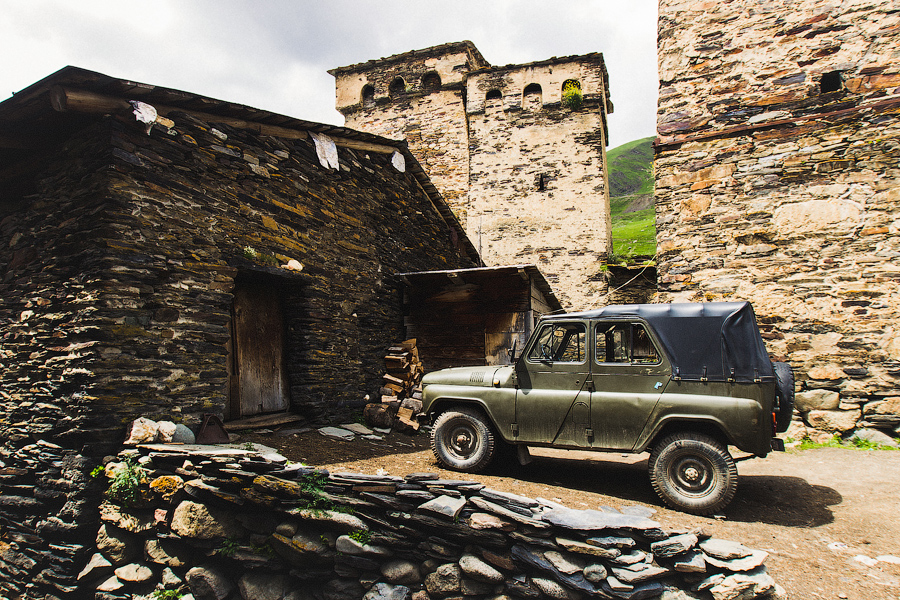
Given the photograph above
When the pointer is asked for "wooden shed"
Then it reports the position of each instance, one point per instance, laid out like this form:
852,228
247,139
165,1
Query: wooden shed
470,317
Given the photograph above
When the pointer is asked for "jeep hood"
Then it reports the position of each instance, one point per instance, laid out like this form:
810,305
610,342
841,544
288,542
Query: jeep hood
462,376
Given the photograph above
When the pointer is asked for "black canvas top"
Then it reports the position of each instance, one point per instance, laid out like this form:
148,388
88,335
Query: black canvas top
717,341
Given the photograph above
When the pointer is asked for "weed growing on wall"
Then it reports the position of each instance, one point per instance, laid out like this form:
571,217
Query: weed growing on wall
571,95
360,536
125,486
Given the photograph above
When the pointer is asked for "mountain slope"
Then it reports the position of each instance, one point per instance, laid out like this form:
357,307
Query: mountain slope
632,209
631,168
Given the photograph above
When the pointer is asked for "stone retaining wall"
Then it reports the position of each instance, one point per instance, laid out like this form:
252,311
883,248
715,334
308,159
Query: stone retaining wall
221,523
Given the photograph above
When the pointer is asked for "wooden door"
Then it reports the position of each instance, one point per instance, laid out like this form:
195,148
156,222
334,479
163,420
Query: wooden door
258,350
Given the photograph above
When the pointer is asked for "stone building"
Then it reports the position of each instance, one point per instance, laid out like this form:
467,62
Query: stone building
777,167
144,273
524,170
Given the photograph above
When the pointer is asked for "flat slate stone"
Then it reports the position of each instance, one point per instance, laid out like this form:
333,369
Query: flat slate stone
496,495
589,549
690,562
357,428
509,514
746,563
632,577
724,549
678,544
576,581
612,542
338,433
358,477
565,564
422,477
445,506
592,520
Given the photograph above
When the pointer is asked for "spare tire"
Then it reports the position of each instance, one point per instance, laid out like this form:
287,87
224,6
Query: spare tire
784,396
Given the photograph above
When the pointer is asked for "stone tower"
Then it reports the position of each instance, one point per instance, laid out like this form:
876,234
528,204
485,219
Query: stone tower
778,182
523,169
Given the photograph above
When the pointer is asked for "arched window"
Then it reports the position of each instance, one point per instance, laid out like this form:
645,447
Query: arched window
431,82
368,95
532,97
398,87
493,101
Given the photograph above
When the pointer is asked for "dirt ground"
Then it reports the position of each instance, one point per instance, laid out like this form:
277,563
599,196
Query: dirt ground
820,514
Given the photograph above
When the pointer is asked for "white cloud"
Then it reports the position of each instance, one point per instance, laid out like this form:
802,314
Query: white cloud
274,54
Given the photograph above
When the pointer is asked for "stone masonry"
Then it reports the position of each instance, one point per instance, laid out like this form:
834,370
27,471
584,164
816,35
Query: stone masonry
226,523
525,173
777,170
123,248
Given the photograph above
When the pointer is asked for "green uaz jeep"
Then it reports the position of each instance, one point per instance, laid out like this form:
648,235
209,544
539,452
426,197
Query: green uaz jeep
682,381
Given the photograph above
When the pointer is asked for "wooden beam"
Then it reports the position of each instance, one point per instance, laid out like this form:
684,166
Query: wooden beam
81,101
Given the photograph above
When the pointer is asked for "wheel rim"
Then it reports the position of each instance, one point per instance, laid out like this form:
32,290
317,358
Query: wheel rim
461,440
693,476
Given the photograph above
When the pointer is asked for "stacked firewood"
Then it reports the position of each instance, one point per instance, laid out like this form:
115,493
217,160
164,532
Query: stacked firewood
401,391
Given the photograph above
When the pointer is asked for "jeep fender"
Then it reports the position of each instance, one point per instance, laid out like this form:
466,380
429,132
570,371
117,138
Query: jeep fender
445,403
711,426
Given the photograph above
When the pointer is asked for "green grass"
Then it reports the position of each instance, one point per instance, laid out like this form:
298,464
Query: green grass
837,442
631,204
631,168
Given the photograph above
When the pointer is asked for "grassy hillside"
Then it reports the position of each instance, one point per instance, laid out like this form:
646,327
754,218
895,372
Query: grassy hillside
631,201
631,168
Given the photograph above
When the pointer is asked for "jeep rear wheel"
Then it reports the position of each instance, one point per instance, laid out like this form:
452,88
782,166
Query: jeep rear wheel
693,472
461,439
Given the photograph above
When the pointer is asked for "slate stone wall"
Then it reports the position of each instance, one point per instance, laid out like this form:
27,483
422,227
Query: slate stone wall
777,182
225,523
116,284
537,181
428,111
118,290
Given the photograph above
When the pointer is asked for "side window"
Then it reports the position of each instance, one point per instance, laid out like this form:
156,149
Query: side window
564,342
619,342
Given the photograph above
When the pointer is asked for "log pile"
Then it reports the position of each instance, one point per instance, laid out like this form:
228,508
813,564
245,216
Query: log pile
401,390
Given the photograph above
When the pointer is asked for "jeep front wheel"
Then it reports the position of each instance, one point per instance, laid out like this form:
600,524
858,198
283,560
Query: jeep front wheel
693,472
462,440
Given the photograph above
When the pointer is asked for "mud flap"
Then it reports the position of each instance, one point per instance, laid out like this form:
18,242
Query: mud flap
524,455
778,444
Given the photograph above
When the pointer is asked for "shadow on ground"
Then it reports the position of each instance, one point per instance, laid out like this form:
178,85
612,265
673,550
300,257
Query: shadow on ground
775,499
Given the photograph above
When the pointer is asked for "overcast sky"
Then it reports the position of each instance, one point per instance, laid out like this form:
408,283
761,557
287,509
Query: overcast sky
274,54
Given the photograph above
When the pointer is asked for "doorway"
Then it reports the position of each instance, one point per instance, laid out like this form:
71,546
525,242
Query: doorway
257,382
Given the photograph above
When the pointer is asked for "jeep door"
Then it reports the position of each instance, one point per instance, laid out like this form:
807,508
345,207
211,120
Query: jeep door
629,374
552,402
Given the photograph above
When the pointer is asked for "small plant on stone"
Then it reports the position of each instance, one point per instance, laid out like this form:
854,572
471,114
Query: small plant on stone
263,549
250,252
125,486
167,594
360,536
312,487
228,548
98,471
249,447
